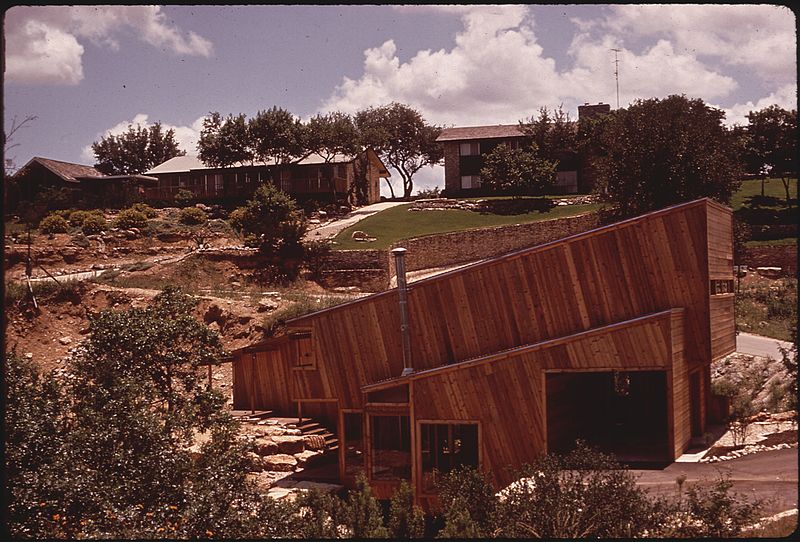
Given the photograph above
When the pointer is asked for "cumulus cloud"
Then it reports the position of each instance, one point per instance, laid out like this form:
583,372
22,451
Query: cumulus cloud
785,97
761,37
43,43
497,72
186,136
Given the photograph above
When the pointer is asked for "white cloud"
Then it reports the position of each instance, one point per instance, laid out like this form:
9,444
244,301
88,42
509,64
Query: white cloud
186,136
42,43
785,97
496,72
761,37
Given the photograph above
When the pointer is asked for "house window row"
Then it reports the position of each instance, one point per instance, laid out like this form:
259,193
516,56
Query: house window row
470,181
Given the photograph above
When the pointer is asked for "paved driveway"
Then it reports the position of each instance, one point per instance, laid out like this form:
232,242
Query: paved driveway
767,475
332,229
756,345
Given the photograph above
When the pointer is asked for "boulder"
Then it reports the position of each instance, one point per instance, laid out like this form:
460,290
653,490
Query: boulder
215,313
256,462
267,305
278,462
290,444
65,340
303,457
358,234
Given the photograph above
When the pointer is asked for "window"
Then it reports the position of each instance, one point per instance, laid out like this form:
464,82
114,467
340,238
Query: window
470,181
303,350
391,447
353,443
470,149
717,287
445,447
218,184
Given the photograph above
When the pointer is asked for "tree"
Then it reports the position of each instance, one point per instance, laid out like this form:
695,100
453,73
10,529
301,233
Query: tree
472,508
277,135
518,171
108,450
661,152
8,137
406,520
224,143
772,144
136,150
331,135
402,138
555,136
362,513
272,222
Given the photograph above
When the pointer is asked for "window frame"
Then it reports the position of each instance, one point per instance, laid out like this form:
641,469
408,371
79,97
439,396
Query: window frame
420,471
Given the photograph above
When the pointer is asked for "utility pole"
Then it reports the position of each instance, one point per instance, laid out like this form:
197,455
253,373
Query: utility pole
616,71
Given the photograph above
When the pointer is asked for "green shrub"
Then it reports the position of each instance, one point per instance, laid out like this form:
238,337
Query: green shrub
130,218
236,219
53,223
145,209
192,215
184,198
94,223
77,218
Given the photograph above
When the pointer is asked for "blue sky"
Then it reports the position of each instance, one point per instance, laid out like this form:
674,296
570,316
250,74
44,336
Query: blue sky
86,71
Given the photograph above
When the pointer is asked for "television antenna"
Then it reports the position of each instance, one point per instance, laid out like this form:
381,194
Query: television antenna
616,71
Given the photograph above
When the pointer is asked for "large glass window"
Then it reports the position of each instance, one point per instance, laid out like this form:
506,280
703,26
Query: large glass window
353,443
391,447
444,447
470,181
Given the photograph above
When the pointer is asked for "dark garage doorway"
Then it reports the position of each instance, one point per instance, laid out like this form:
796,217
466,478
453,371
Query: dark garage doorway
623,413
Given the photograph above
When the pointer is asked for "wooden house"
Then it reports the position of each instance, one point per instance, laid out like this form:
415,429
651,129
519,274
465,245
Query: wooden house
81,183
322,178
606,335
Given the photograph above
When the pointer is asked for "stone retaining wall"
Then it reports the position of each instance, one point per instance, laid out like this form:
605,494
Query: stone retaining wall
441,250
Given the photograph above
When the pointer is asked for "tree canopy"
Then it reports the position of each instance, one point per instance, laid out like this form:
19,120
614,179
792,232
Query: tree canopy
517,171
402,138
136,150
771,144
660,152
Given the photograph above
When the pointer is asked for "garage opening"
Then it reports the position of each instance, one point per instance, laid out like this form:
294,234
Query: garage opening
623,413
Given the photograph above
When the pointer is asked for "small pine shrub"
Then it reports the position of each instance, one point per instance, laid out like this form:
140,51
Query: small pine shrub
192,215
94,223
145,209
184,198
130,218
53,223
236,219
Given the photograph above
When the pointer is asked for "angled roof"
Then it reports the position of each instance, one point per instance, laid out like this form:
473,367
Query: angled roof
510,352
184,164
480,132
68,171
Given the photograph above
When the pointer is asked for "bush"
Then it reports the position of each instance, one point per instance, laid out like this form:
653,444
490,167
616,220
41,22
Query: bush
314,256
192,215
130,218
145,209
236,219
184,198
429,193
94,223
53,223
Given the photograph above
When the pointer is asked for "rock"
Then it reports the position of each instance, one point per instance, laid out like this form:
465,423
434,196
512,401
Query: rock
215,313
315,442
266,305
358,234
314,221
278,462
290,444
256,462
65,340
303,457
203,207
266,447
769,272
28,355
322,214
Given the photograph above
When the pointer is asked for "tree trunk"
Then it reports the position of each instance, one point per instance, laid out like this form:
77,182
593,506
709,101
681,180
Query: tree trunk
762,187
786,182
391,188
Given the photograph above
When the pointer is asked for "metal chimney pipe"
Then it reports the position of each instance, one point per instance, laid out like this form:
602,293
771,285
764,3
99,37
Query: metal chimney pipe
402,290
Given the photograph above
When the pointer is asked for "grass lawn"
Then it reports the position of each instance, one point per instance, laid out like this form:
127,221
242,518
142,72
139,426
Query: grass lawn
749,194
399,223
752,208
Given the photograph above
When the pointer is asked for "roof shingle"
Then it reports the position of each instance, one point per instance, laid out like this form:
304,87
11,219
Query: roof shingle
480,132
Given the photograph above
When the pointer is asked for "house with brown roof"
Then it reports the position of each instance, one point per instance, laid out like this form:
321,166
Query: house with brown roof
606,336
332,179
82,183
465,148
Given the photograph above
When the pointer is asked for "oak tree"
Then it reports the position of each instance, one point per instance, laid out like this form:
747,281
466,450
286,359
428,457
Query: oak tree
136,150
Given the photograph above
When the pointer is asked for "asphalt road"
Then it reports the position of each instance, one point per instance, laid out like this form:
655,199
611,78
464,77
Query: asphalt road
766,475
756,345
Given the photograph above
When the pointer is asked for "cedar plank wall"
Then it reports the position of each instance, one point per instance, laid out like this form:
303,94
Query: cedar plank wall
589,280
506,395
720,266
273,384
678,382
